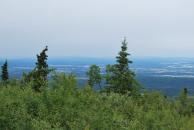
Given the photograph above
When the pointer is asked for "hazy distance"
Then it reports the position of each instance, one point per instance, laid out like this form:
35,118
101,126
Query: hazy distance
95,28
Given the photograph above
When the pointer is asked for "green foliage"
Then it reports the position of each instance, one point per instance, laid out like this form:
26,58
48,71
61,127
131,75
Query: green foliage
27,77
94,75
41,71
184,103
5,73
64,106
120,78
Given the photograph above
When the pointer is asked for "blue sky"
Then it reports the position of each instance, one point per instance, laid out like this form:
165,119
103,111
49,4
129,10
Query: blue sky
95,28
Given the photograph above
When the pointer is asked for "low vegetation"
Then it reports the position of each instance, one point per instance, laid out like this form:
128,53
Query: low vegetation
65,106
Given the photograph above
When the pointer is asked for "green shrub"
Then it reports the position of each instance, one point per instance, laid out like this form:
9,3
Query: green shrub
65,106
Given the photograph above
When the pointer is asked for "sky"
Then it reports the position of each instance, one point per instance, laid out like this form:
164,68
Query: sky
95,28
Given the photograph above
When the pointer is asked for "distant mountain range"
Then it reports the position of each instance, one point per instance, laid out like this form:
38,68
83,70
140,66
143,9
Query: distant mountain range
169,75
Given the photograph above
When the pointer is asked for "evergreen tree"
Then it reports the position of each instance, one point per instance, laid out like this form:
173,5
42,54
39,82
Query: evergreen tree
41,71
120,78
183,95
185,103
94,75
5,74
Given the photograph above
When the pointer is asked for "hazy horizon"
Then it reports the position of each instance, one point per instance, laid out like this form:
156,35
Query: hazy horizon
96,28
97,58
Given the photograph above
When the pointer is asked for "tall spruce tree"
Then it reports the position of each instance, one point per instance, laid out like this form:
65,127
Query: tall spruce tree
5,73
41,71
120,78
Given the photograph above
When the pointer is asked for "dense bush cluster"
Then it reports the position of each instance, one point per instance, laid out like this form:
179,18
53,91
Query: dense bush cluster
65,106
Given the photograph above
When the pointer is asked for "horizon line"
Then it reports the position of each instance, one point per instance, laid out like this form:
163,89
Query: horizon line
94,57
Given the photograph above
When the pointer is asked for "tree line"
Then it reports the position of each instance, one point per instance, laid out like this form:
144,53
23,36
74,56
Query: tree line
119,77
